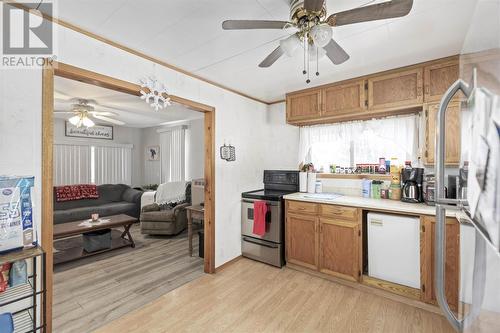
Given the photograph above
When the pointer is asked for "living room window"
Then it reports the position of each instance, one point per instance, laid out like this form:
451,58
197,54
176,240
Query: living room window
349,143
173,154
83,163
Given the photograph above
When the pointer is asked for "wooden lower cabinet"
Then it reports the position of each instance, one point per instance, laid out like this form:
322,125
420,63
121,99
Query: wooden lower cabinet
328,238
452,261
340,248
302,240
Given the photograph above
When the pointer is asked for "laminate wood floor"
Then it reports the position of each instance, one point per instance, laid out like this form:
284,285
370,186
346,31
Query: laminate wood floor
91,292
248,296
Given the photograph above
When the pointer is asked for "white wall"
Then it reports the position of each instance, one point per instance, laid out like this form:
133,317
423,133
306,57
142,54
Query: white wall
195,152
260,135
122,135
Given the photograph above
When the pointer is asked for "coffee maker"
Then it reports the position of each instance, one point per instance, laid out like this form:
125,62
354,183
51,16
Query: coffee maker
412,190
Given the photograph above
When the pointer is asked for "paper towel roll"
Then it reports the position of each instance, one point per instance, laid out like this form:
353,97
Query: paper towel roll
303,181
311,182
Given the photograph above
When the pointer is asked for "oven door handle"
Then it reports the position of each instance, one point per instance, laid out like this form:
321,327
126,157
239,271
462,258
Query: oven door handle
246,239
269,203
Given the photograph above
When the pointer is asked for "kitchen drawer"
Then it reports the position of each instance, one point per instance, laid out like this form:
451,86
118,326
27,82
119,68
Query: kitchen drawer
301,207
339,212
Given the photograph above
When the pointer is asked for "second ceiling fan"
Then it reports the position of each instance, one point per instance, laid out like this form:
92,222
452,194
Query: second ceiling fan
314,27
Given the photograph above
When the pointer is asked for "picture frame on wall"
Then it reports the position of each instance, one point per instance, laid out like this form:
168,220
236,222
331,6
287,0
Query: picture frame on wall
102,132
153,153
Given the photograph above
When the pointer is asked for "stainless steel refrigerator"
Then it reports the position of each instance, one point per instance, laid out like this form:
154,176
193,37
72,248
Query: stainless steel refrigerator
479,202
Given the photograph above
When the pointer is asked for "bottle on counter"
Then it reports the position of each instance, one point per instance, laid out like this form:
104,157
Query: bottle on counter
395,192
366,190
395,172
319,187
376,186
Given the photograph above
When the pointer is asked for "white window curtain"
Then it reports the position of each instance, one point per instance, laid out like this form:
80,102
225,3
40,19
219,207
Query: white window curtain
71,164
84,163
346,144
173,152
111,165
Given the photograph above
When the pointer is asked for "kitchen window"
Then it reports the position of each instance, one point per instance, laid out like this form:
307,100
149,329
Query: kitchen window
350,143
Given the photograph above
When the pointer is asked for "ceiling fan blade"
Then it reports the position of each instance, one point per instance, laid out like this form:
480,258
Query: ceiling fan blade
314,5
63,111
386,10
61,96
336,53
272,57
109,120
253,24
104,113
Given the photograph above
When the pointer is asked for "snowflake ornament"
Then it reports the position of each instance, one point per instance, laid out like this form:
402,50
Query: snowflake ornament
155,93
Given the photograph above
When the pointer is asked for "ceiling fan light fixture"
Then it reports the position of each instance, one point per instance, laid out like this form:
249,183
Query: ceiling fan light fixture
321,34
87,122
290,45
74,120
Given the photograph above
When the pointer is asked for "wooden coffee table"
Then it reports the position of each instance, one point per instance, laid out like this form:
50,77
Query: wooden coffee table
119,239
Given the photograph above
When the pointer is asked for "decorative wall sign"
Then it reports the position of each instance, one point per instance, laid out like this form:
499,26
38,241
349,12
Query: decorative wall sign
153,153
154,93
96,132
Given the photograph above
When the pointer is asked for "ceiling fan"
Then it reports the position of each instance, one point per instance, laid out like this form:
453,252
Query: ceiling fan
314,27
83,110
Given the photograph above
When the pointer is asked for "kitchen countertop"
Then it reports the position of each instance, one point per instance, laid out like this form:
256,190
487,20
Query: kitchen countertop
369,203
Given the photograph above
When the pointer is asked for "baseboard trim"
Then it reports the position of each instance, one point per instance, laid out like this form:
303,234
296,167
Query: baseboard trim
370,289
228,263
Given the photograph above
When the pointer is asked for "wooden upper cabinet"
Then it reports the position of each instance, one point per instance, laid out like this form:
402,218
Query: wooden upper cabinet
453,135
303,106
452,261
438,78
302,240
397,90
340,248
343,99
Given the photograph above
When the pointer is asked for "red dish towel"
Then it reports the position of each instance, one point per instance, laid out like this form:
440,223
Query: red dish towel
259,217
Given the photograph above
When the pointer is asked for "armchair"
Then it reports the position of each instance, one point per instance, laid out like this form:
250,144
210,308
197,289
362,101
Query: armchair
155,221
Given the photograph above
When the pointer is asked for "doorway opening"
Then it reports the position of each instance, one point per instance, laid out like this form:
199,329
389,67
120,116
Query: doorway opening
168,153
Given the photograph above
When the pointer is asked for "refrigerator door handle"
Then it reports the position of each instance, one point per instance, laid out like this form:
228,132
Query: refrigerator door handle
441,201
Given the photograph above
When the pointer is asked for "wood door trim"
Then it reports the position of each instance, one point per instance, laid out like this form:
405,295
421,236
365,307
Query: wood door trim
86,76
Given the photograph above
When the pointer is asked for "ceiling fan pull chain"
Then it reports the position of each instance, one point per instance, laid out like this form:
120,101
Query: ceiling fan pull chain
308,64
317,61
305,51
307,56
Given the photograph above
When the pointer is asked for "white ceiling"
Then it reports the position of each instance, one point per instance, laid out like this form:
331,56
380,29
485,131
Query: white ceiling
130,109
188,34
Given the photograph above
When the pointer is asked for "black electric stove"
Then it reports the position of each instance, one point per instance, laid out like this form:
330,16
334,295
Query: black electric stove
270,247
265,194
277,183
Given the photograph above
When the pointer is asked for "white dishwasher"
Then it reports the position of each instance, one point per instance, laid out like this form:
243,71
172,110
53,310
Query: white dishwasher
394,249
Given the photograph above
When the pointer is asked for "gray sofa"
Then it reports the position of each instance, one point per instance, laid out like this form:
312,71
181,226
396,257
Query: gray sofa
113,199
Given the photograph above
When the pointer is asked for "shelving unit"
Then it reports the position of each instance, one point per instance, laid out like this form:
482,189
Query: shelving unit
23,300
